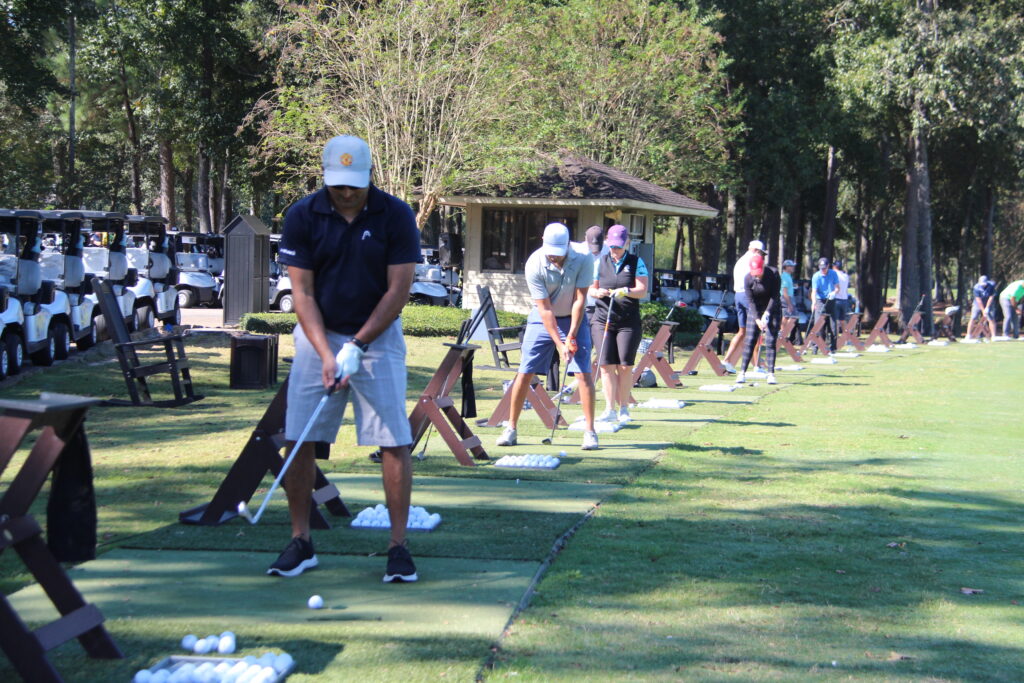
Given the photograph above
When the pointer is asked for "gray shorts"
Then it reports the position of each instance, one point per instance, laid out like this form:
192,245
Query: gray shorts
377,392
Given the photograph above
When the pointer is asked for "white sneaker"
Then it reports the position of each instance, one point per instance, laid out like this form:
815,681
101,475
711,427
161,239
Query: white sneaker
589,441
741,377
624,415
771,379
729,367
509,437
607,416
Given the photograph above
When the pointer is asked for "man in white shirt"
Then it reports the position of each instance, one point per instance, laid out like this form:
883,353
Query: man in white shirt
739,272
843,295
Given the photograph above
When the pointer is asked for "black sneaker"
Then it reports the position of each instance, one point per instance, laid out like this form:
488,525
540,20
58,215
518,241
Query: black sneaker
296,558
400,566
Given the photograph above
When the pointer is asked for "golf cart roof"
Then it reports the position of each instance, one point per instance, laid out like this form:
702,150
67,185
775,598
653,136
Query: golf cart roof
104,221
132,218
28,213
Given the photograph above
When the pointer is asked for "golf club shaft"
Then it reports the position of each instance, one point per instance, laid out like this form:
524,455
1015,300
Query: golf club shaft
295,449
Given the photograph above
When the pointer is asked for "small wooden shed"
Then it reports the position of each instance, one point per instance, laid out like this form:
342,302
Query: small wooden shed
504,228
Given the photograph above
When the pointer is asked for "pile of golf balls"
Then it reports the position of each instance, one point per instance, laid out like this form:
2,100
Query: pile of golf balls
537,462
264,669
224,643
377,518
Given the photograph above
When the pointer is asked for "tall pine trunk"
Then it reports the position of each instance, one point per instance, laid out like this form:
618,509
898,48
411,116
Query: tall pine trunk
925,261
986,248
167,177
730,230
203,191
828,223
909,275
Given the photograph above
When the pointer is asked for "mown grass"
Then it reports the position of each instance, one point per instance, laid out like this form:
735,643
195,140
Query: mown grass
833,520
835,547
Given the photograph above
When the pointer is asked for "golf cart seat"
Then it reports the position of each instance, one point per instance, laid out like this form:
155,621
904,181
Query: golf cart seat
159,266
117,268
139,260
8,268
51,265
30,278
74,271
689,296
95,259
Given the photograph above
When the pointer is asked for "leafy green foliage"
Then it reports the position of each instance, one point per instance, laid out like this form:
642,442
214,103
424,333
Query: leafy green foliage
417,321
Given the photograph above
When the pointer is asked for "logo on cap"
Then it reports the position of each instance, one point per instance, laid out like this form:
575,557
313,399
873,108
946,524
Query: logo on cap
346,159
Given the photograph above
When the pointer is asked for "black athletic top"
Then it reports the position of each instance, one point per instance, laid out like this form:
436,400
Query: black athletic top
764,293
626,312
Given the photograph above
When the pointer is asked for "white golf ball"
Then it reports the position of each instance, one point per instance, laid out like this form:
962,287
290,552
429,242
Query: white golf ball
160,676
266,659
143,676
189,641
561,454
226,645
315,602
201,647
282,662
227,634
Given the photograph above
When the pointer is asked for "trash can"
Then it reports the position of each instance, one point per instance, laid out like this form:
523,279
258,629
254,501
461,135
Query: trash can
253,361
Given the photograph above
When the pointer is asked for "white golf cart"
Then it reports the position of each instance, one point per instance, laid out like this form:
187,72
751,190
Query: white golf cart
39,326
62,261
156,297
196,283
106,256
280,283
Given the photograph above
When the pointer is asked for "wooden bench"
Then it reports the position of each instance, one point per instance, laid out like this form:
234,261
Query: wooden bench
136,373
60,447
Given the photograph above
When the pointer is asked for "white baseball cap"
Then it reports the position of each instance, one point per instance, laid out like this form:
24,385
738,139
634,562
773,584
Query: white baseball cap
756,244
347,161
556,240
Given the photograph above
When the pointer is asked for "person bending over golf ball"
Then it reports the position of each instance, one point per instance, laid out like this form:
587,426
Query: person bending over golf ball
558,278
764,313
824,289
351,251
620,281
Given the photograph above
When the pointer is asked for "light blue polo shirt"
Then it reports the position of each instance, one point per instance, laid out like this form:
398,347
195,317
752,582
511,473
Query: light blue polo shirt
824,284
547,281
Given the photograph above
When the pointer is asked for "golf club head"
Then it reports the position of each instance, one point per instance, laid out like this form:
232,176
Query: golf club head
243,510
546,441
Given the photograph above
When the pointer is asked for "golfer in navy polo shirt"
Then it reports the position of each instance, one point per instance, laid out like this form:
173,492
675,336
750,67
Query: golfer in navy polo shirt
351,251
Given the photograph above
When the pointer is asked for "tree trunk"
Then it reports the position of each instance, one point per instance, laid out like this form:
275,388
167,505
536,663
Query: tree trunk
189,184
772,228
72,197
711,233
167,177
133,139
809,257
730,230
909,275
691,234
225,193
925,261
828,222
986,244
749,215
203,191
677,246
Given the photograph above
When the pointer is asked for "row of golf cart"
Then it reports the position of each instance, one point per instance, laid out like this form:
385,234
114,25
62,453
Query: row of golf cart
48,260
713,296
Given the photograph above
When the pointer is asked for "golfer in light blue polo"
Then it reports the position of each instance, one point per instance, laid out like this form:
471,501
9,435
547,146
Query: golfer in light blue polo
558,278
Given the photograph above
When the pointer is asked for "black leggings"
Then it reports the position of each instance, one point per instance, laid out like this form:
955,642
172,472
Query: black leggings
771,336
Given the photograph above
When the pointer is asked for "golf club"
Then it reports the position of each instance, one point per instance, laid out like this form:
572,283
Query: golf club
243,509
558,407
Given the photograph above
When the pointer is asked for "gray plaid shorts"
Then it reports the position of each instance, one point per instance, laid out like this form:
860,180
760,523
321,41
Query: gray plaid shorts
377,392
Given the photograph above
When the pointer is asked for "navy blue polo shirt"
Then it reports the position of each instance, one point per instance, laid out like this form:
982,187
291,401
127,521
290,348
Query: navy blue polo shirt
349,260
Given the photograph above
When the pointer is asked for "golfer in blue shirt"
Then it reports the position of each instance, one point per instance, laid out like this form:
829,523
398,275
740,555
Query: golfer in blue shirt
824,288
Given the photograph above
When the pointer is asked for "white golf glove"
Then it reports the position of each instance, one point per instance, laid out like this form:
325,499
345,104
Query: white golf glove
620,292
349,360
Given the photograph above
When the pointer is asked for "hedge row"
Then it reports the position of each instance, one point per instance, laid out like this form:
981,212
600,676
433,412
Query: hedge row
417,321
444,321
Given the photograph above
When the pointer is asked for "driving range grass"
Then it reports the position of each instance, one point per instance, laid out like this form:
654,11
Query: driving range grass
833,548
756,548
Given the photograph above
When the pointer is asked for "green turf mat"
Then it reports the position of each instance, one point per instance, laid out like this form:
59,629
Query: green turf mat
468,595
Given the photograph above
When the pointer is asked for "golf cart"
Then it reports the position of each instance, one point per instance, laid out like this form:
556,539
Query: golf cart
106,256
280,283
62,262
35,313
155,295
196,283
433,284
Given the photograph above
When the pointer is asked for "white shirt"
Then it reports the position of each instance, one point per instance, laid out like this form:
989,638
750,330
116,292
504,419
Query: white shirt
844,285
740,270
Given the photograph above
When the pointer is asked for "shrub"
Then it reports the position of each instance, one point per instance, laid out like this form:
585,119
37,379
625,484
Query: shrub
417,321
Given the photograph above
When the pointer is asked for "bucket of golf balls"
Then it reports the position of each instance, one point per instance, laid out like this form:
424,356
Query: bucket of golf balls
529,461
268,668
377,518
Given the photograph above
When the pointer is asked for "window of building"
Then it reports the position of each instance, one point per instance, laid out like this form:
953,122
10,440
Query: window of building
509,236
